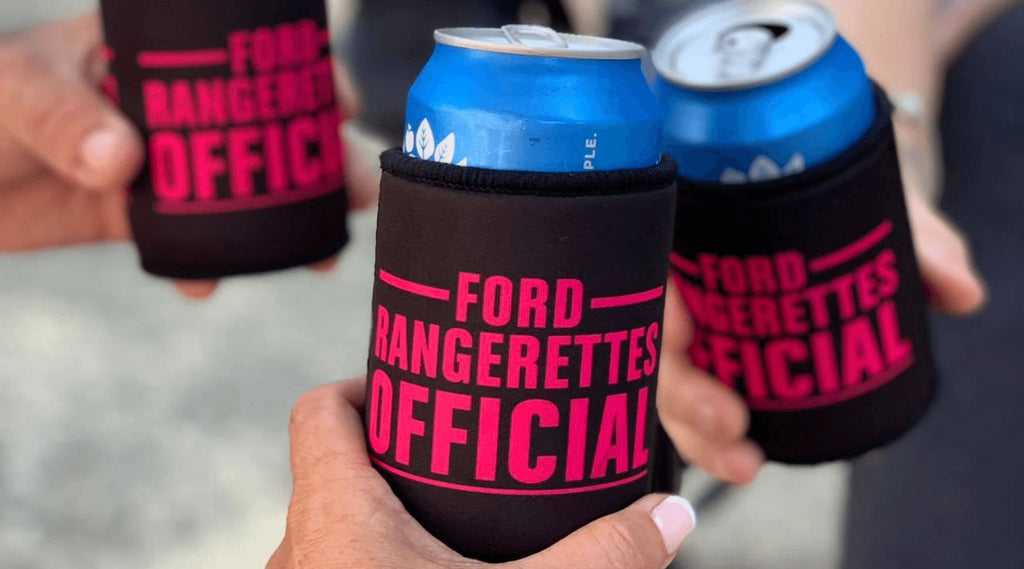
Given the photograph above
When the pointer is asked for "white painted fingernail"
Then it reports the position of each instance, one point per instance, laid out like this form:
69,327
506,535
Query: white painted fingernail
99,148
676,519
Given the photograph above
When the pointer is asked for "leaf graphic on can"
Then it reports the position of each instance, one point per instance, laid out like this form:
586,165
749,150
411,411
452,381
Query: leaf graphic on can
796,165
763,169
445,152
425,141
733,176
410,140
464,162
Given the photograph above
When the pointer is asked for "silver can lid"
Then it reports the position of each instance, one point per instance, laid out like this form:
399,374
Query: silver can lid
538,41
736,44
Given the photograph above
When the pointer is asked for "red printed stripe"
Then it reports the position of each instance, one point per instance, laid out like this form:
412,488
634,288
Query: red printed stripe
248,204
627,299
853,250
685,265
507,491
414,288
178,59
868,386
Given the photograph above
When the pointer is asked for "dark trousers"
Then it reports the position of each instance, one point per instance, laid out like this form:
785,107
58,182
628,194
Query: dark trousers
950,494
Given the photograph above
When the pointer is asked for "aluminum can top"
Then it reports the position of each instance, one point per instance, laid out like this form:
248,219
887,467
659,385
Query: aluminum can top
740,44
539,41
756,90
528,98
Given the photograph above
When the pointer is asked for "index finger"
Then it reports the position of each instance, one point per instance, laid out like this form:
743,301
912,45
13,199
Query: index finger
326,432
689,394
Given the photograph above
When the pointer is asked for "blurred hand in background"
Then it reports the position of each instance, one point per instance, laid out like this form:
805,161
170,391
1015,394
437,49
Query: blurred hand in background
344,515
67,155
906,47
708,421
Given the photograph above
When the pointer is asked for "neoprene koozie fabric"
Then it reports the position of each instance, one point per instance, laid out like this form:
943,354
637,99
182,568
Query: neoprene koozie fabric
806,298
667,466
236,101
516,332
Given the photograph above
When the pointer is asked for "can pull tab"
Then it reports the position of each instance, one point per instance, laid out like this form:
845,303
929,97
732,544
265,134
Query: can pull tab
533,36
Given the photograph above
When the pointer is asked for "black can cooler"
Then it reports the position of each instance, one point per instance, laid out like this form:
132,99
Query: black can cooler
236,102
806,298
668,467
514,354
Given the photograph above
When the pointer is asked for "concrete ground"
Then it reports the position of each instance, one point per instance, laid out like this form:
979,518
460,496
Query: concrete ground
138,429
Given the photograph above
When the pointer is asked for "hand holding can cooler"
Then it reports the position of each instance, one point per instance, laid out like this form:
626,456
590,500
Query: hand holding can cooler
522,253
793,251
236,99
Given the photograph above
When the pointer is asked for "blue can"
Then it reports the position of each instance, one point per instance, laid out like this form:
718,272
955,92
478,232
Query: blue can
755,90
528,98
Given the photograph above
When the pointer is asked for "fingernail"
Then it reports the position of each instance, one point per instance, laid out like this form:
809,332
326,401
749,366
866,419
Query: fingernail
196,290
675,519
99,148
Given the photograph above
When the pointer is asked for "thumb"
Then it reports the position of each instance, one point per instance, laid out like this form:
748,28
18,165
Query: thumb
646,535
66,123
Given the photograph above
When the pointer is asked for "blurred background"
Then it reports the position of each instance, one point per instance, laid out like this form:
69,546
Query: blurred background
139,429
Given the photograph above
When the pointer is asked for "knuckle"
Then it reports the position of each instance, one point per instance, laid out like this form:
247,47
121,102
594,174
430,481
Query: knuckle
306,410
618,545
299,417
